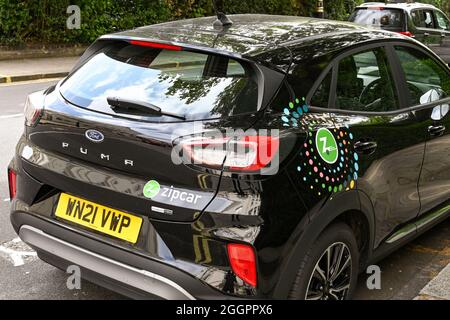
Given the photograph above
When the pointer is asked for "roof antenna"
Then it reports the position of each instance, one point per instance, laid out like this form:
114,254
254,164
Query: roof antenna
222,19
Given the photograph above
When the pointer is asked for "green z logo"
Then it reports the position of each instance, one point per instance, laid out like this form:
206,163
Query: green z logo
326,146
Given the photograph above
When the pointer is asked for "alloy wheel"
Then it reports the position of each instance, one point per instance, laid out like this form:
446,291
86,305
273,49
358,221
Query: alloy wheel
331,277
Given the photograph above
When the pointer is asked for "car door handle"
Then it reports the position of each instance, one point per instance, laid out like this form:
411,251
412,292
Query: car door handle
365,147
436,131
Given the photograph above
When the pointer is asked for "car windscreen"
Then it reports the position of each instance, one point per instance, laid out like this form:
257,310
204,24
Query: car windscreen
379,17
194,85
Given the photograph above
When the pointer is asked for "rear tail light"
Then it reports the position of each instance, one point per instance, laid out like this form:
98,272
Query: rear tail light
156,45
407,33
34,107
243,262
241,153
12,181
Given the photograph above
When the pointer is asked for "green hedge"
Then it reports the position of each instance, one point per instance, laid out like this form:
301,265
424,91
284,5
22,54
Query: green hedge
44,21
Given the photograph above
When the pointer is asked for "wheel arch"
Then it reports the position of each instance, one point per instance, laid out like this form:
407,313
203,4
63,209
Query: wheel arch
353,208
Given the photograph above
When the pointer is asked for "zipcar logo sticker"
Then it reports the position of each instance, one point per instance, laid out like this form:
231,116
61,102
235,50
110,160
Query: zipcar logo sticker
326,146
151,189
94,135
328,162
177,195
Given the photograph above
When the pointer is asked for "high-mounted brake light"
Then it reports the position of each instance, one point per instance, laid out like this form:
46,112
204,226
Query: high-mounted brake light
12,181
407,33
375,8
155,45
243,262
34,107
242,153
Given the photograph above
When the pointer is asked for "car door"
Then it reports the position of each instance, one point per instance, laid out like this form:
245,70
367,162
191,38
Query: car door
426,31
443,26
428,83
388,151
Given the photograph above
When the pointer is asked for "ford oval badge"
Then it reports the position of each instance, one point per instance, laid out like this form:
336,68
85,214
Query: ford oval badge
94,135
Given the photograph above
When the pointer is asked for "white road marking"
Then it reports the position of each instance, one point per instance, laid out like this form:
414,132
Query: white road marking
18,252
438,288
6,200
9,116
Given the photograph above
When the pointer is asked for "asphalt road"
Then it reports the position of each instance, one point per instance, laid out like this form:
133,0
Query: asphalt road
404,273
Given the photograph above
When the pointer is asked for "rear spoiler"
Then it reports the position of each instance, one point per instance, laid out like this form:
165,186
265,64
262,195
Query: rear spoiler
104,40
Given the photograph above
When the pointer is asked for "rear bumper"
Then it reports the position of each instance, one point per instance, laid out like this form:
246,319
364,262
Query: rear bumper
126,273
140,279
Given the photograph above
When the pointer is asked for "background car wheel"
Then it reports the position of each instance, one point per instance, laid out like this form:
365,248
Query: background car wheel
329,271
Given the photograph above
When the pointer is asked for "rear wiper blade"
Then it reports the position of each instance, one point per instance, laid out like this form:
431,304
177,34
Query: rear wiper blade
120,105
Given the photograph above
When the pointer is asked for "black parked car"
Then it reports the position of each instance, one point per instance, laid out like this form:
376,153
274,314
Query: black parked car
354,128
423,22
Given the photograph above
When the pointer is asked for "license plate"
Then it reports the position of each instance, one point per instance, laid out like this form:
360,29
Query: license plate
100,218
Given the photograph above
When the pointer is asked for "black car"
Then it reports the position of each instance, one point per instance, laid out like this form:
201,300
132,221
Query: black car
273,158
423,22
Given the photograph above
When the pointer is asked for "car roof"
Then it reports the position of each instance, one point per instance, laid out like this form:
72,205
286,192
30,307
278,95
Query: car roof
249,35
404,6
255,35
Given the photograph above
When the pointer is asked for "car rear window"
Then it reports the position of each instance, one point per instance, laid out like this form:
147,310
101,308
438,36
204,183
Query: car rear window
389,19
194,85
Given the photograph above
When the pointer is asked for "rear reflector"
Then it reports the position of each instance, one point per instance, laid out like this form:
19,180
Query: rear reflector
407,33
155,45
243,262
12,180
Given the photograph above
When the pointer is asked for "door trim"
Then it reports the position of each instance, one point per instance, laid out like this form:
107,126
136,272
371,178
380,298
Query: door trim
418,225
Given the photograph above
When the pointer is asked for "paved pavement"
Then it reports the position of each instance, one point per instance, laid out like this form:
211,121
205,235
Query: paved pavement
408,270
32,69
404,274
37,51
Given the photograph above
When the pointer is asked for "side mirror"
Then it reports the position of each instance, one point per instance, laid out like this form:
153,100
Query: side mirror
439,112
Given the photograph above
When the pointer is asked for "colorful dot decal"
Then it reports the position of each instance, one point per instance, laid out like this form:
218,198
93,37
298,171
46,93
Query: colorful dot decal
328,160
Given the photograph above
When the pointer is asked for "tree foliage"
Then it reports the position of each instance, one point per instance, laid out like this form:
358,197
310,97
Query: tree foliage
44,21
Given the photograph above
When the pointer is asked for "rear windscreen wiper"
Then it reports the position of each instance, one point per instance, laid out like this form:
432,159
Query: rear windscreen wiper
120,105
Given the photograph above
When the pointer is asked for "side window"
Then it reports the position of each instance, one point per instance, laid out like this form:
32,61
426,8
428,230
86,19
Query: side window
425,78
428,19
235,69
442,21
365,83
282,98
322,94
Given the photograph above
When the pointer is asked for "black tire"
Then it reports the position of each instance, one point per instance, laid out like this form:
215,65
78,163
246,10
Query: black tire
338,237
